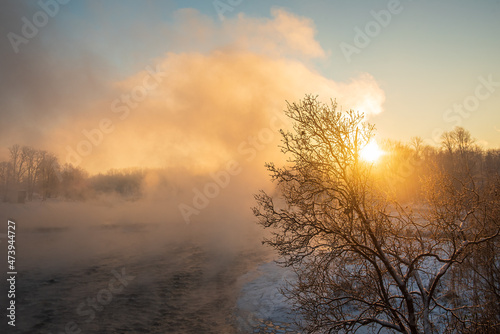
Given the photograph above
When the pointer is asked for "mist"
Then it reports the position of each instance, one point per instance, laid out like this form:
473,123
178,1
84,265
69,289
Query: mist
199,116
182,273
213,104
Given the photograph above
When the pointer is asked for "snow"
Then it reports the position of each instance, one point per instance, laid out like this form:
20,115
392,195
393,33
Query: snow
261,302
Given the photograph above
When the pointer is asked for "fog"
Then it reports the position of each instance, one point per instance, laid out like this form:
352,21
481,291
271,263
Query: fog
191,107
204,112
186,276
102,223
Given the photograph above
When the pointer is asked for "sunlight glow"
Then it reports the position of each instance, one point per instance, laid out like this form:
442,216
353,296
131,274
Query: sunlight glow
371,152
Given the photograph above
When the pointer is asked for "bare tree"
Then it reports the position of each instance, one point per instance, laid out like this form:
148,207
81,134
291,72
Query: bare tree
418,144
463,139
362,258
47,175
5,177
460,145
17,163
32,159
448,142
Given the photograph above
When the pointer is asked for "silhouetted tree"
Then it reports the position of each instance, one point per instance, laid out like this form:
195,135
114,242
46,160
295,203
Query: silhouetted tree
361,257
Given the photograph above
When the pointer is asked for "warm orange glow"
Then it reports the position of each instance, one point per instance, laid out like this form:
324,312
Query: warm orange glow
371,152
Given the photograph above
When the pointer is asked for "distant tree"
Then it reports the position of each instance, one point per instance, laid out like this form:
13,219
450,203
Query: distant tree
492,162
74,182
361,257
448,142
17,162
401,170
126,183
459,143
33,159
47,176
5,177
417,143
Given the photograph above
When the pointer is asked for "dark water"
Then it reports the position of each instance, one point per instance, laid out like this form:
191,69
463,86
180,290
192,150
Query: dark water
126,279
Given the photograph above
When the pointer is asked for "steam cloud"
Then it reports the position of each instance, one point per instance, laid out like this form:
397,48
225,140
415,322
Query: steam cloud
216,98
203,106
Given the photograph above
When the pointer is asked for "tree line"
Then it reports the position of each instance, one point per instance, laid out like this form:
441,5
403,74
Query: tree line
31,173
459,156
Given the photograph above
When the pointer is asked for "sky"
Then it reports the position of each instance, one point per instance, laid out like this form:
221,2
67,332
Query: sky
198,84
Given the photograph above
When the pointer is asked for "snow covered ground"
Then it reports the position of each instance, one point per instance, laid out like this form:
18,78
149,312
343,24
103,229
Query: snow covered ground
261,306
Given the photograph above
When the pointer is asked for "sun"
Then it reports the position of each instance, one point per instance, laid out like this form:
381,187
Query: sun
371,152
